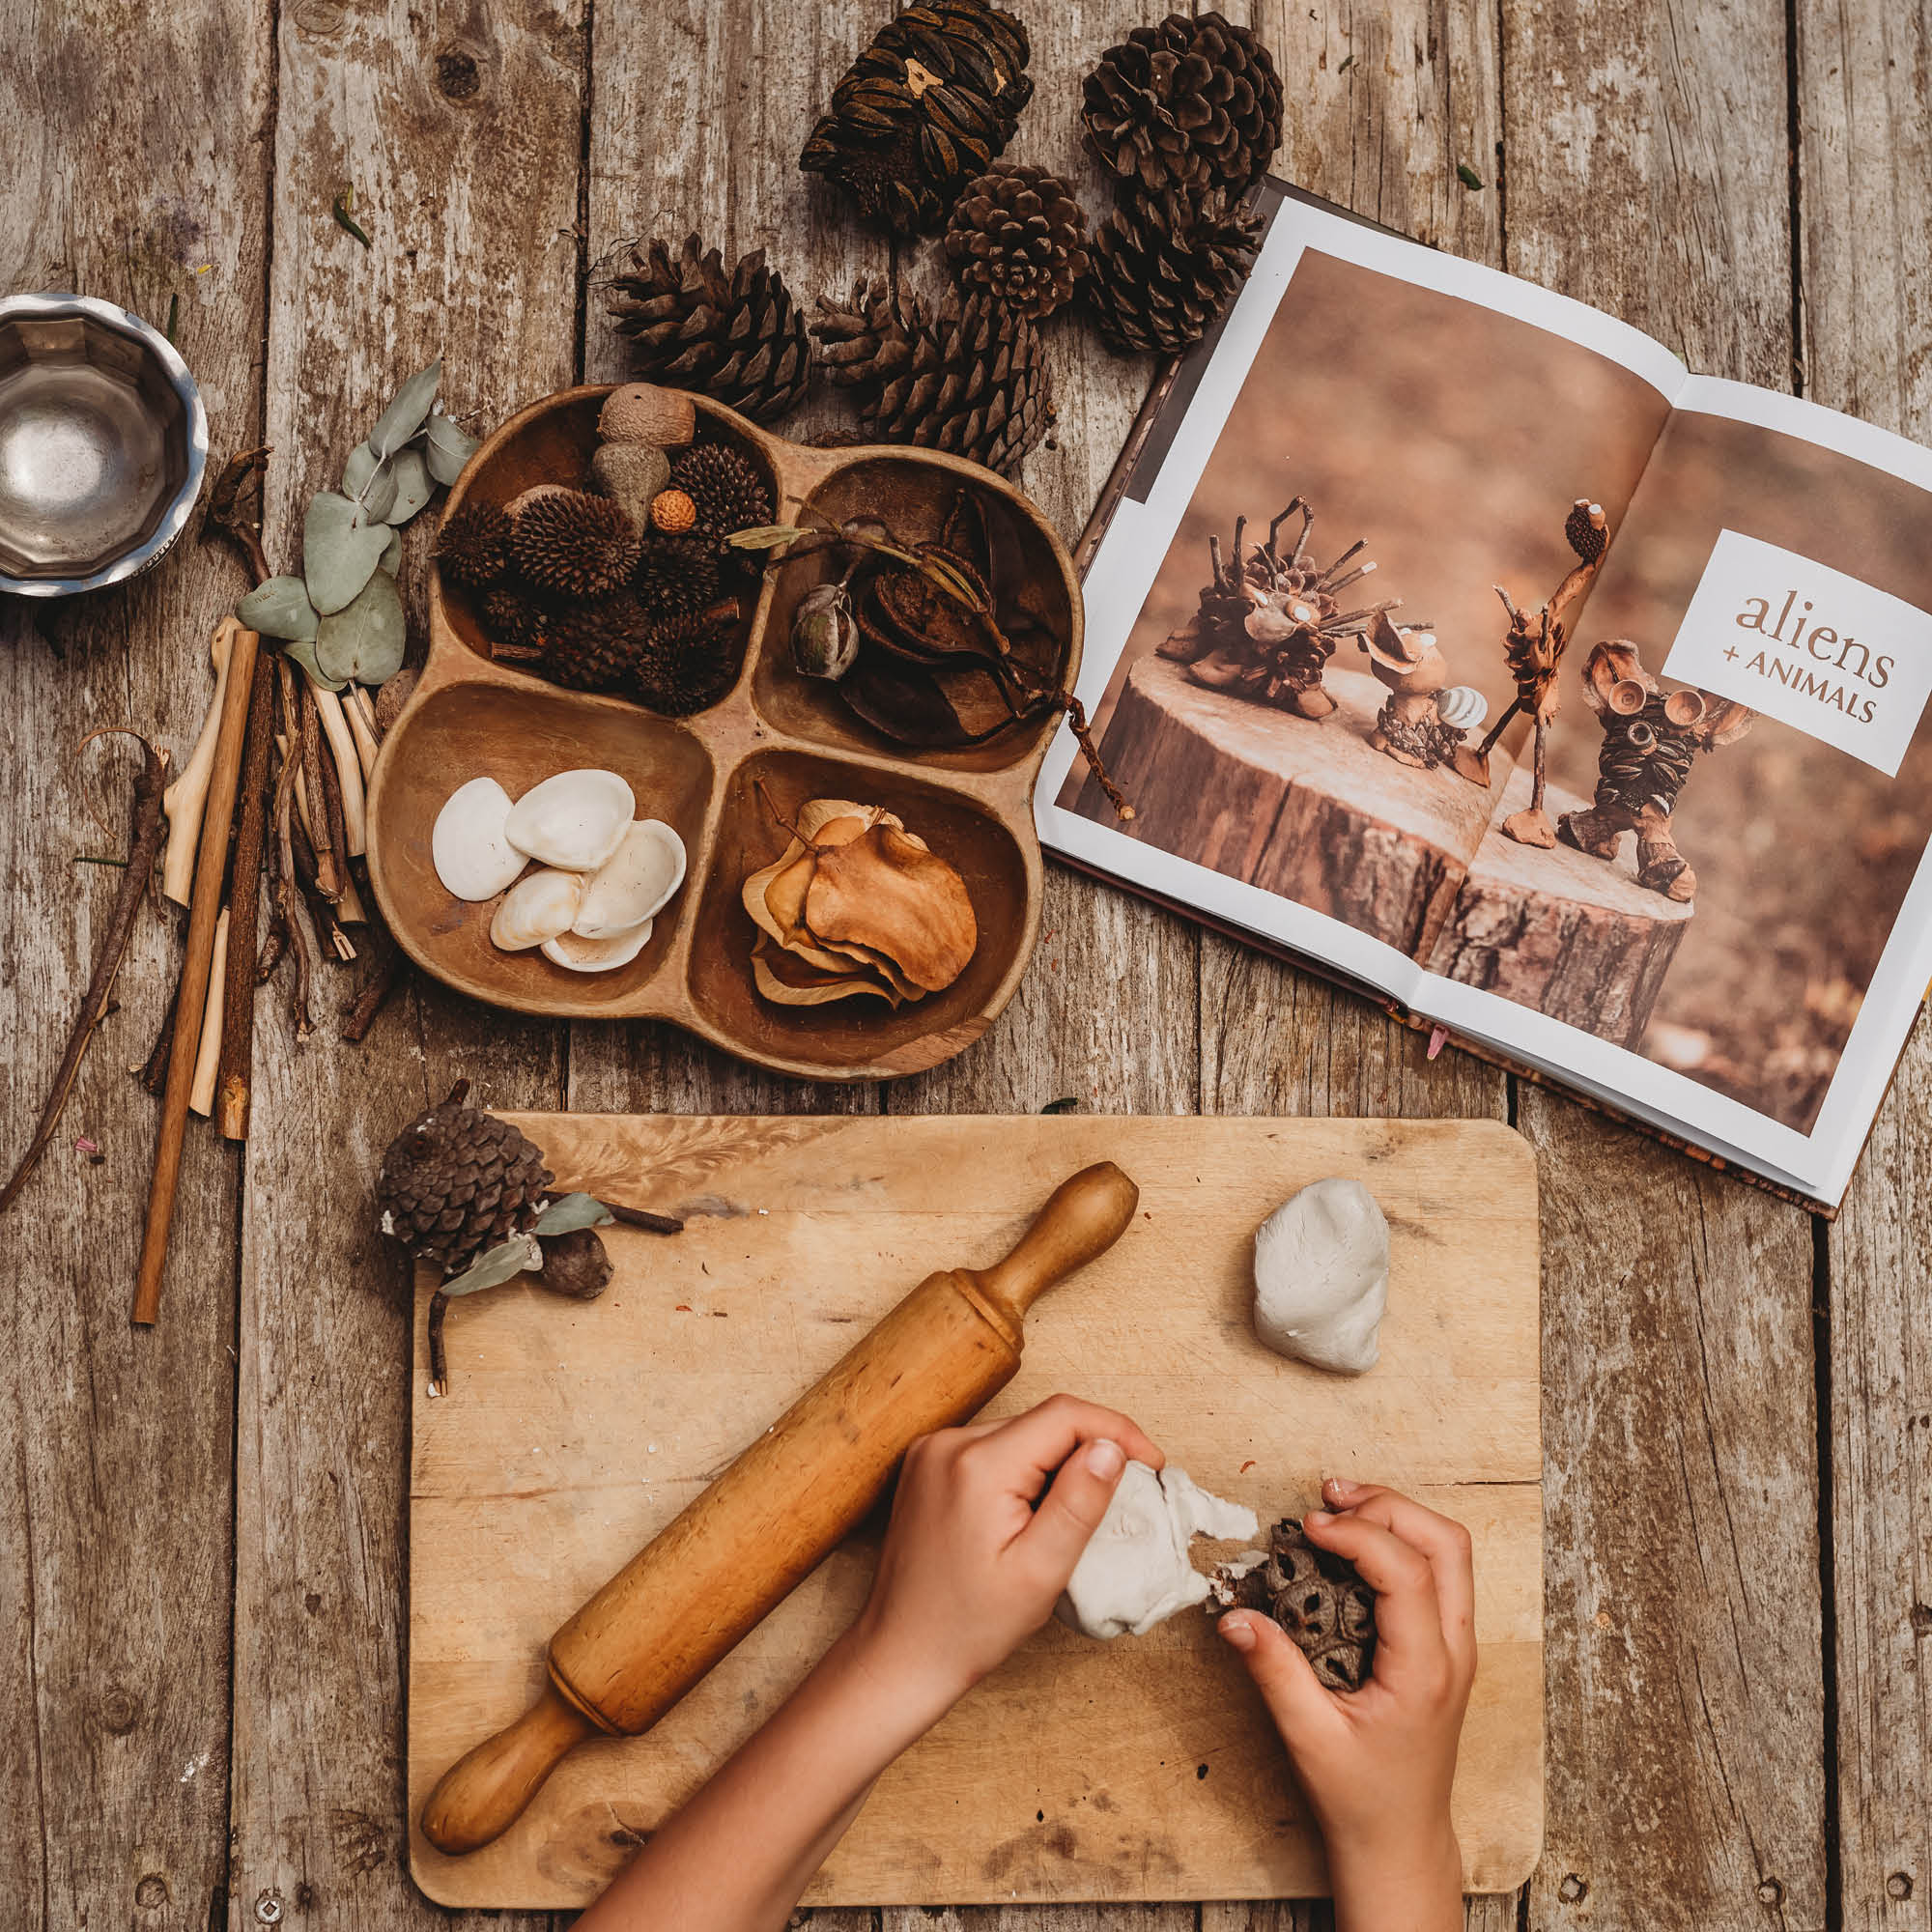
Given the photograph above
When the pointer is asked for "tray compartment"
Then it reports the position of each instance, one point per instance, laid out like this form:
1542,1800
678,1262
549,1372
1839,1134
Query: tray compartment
857,1034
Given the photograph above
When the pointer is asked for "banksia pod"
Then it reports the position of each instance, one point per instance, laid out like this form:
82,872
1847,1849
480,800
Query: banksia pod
1320,1600
1164,274
472,547
1019,233
676,576
568,543
727,489
738,338
1190,106
596,646
930,104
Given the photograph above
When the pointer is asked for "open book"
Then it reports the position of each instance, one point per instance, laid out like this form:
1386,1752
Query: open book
1453,638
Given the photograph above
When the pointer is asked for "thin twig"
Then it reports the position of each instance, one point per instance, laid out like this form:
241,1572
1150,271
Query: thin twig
245,904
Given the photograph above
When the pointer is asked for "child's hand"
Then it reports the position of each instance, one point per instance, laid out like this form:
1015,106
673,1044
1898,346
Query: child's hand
970,1565
1377,1763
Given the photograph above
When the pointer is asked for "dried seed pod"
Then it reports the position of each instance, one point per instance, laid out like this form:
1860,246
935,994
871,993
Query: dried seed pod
596,646
574,544
631,475
688,663
824,633
727,490
674,513
677,575
1319,1599
472,547
648,412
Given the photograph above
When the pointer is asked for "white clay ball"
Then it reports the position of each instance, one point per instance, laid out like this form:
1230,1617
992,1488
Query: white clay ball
1322,1268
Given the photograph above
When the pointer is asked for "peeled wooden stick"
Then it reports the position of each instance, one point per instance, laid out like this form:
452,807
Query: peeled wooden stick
204,912
361,716
245,904
185,800
348,770
208,1055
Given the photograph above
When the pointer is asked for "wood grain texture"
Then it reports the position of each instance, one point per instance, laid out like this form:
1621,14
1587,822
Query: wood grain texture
114,1778
1865,176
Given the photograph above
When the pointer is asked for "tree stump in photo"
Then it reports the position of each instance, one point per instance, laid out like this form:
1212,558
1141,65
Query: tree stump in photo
1309,812
1569,935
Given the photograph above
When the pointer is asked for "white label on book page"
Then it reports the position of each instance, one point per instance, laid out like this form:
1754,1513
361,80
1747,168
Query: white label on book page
1809,646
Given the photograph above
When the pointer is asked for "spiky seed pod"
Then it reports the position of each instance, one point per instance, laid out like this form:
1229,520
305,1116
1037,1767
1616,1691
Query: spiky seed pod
472,547
458,1180
571,544
1019,233
676,576
514,617
1320,1600
738,338
726,488
1191,105
597,646
1164,273
927,105
688,663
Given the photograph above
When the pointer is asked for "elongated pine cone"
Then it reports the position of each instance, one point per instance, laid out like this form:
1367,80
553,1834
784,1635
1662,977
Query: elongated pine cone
738,338
457,1181
1191,105
688,663
676,576
725,489
1019,233
929,105
1163,275
1320,1600
596,646
568,543
472,547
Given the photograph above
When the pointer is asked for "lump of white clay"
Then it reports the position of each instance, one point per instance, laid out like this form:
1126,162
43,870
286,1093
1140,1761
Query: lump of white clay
1321,1273
1135,1572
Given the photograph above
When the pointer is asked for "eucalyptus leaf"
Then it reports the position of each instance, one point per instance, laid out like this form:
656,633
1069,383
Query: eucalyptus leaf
340,551
369,482
493,1266
391,559
303,654
765,536
408,413
365,639
446,449
412,485
572,1211
279,608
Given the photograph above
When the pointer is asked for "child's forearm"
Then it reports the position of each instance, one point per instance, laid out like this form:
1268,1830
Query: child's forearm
1415,1887
738,1856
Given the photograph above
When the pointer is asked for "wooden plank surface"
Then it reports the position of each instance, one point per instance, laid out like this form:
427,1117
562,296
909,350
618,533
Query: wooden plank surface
570,1434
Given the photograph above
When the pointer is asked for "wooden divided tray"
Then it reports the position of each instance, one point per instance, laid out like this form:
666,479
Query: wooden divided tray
1141,1768
470,715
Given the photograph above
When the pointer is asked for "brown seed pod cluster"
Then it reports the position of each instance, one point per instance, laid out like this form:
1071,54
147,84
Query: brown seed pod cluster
1317,1598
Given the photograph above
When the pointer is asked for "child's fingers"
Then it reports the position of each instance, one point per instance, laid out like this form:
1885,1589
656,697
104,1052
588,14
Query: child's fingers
1444,1541
1408,1617
1282,1674
1025,1449
1070,1510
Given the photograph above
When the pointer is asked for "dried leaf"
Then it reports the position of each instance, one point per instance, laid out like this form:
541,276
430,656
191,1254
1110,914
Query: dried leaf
889,892
279,608
765,536
339,208
399,423
1468,175
341,548
413,487
787,982
365,641
493,1266
570,1212
446,449
369,481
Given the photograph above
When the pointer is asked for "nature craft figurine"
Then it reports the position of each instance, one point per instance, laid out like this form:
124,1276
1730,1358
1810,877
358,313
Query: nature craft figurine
1424,719
1650,740
1533,649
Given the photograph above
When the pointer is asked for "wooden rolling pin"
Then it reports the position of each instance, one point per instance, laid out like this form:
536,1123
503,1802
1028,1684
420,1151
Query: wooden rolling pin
739,1548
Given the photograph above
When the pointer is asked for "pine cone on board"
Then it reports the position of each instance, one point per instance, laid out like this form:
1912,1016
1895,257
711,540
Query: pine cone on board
738,338
1019,233
1191,105
1320,1600
929,105
457,1181
1163,275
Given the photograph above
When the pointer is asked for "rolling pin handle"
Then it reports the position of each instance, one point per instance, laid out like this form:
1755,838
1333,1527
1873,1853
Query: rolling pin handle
1084,1215
480,1795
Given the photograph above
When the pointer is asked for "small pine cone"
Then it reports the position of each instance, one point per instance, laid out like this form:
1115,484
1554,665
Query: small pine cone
457,1181
676,576
1163,276
1192,104
688,663
596,646
514,617
725,489
927,105
472,547
1019,233
1320,1600
738,338
568,543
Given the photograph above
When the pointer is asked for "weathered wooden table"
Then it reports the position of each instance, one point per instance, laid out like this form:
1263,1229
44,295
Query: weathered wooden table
201,1536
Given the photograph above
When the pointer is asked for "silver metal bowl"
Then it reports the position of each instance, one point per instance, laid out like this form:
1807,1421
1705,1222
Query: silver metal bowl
103,442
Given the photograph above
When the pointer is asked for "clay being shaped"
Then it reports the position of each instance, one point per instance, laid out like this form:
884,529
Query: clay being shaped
1135,1572
1321,1268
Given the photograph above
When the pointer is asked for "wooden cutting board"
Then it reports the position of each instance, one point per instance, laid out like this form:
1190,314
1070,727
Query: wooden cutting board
1141,1768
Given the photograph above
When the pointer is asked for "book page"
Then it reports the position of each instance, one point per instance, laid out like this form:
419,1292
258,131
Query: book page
1432,423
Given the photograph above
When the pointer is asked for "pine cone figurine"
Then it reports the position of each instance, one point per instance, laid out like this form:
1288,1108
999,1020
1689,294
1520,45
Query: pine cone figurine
676,576
457,1181
472,547
1191,105
568,543
1019,235
929,105
1164,274
1320,1600
596,646
739,338
726,488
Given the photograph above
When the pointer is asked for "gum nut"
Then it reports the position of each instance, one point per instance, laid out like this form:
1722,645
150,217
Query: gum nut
633,883
536,909
596,955
574,820
471,856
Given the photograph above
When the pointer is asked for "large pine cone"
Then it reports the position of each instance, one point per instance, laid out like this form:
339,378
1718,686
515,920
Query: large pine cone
1164,273
929,105
973,380
1320,1600
739,338
1019,233
457,1181
1191,105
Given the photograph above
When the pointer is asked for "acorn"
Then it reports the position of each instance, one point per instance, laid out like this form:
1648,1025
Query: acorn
572,544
